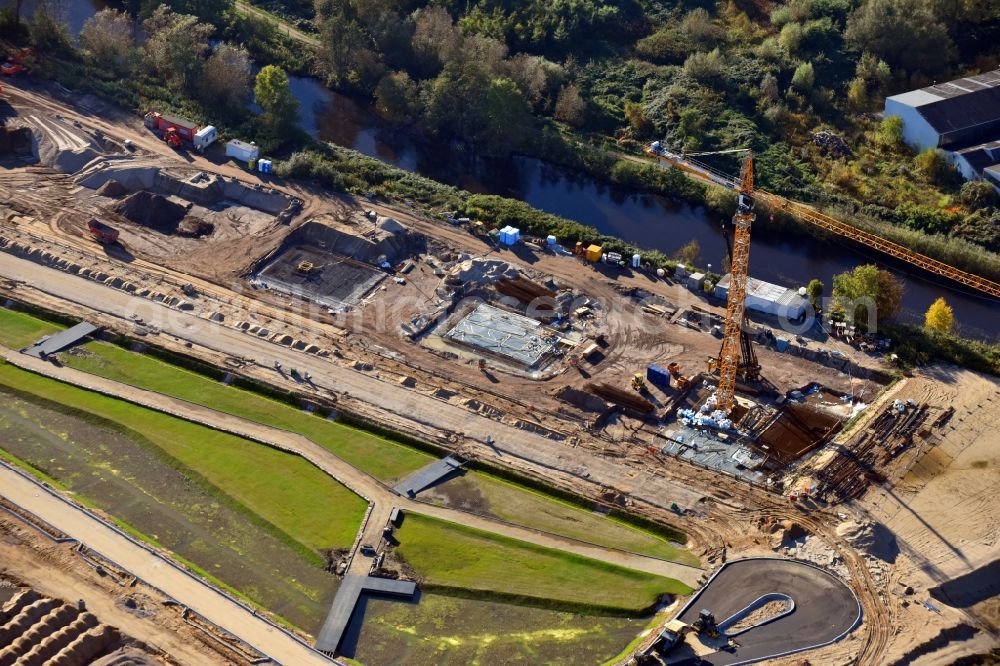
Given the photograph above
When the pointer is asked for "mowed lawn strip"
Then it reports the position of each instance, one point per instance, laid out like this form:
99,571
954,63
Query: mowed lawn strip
18,330
452,555
283,489
524,506
382,458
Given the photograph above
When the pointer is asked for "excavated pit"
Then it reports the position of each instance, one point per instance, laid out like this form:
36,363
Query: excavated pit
153,211
16,142
342,267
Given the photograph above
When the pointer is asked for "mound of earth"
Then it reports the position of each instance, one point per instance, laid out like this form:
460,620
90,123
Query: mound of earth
15,142
153,211
71,161
785,532
112,189
194,227
870,538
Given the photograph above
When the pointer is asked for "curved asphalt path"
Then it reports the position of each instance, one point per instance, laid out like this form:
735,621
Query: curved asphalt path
825,608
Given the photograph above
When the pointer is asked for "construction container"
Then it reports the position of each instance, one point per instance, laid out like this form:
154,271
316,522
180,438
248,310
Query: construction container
205,137
243,151
594,253
658,376
696,281
185,128
510,235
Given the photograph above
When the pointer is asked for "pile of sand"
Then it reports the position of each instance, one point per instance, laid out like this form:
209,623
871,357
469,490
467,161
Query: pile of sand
870,538
482,272
153,211
113,189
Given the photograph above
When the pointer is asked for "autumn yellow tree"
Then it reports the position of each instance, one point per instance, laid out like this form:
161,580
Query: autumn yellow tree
939,317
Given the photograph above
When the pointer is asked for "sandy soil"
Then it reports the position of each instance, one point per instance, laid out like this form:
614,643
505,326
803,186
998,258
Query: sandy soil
943,512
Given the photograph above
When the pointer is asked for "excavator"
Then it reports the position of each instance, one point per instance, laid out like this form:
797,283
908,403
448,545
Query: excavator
172,138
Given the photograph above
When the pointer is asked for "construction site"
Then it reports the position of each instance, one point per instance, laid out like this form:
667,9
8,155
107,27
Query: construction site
634,390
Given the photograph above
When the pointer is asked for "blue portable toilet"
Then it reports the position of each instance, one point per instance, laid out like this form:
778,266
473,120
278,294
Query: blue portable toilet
510,235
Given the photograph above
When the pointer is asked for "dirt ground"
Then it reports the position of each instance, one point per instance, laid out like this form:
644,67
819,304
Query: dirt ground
941,512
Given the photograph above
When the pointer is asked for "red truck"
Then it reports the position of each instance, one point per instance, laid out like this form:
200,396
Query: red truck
104,234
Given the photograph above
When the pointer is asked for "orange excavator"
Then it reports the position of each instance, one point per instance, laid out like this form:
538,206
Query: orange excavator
172,138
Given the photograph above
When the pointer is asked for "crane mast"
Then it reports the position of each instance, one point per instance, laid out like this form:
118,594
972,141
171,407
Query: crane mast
733,339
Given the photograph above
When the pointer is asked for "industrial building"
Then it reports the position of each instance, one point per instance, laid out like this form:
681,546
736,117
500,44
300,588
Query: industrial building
961,117
772,299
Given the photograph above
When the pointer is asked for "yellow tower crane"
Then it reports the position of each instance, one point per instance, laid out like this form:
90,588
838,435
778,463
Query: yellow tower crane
737,358
735,342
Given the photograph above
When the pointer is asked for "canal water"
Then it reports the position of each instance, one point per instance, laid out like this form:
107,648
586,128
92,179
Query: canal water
649,221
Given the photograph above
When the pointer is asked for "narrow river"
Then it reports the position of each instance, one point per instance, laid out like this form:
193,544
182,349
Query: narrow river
650,221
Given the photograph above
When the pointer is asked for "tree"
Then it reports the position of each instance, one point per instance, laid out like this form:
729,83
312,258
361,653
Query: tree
815,290
274,96
396,97
570,107
490,113
978,194
939,317
769,87
226,77
890,132
436,39
905,33
933,164
804,78
867,295
345,56
106,38
688,253
871,77
175,45
48,28
210,11
640,124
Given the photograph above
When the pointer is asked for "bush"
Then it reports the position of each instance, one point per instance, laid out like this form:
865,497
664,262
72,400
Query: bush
915,346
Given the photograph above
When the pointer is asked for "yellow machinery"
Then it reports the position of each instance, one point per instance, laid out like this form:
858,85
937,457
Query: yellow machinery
594,252
734,339
638,382
823,221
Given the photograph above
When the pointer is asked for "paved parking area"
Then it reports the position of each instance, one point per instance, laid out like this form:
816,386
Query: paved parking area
825,608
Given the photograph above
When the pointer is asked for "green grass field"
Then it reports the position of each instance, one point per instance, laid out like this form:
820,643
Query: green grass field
485,493
452,555
382,458
18,329
285,490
